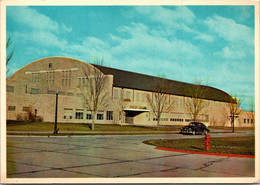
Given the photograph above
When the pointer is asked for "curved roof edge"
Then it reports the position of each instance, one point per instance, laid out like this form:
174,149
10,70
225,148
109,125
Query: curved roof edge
38,60
127,79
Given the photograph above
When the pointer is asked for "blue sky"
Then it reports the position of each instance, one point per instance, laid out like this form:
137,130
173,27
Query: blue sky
183,42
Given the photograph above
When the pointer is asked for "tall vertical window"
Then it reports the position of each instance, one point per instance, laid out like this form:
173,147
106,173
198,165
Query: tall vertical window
128,95
35,77
109,115
122,94
143,97
82,82
66,78
137,96
115,95
50,77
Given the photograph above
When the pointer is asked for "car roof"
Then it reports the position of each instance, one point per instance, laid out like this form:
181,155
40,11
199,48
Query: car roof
196,123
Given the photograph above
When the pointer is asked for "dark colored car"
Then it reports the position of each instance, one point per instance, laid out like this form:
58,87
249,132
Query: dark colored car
195,128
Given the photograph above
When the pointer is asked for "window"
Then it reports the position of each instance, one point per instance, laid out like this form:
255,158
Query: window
88,116
181,102
142,97
109,115
50,77
66,78
252,121
244,121
127,95
115,94
79,115
137,96
82,82
68,112
122,94
67,117
34,91
79,95
176,119
100,116
11,108
70,94
10,88
25,109
51,92
50,65
61,93
35,77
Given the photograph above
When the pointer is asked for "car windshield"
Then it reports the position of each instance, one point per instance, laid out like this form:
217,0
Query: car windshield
195,124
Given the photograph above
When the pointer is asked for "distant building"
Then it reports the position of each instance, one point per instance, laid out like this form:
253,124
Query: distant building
34,86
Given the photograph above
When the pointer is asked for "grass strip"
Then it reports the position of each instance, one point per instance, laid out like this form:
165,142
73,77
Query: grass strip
225,145
45,126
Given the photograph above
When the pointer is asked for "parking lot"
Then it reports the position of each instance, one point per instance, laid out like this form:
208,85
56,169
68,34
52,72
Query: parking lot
114,156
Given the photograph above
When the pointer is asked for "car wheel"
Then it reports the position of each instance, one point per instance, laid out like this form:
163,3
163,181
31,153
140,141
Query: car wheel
194,132
205,132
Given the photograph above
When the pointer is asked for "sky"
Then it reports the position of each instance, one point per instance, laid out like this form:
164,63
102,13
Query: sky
212,43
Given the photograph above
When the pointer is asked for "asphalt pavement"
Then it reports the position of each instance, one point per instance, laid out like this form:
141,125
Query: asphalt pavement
115,156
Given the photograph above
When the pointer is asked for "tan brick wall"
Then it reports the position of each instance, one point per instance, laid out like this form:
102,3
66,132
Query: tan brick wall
39,75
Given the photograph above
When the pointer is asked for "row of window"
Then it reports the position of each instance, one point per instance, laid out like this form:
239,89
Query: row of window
13,108
139,97
99,116
50,77
173,119
248,121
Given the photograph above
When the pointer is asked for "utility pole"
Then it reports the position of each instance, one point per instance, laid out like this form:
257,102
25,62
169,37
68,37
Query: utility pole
56,114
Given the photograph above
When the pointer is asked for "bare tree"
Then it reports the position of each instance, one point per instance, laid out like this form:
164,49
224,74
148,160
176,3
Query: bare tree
235,108
251,106
195,104
9,54
159,99
96,92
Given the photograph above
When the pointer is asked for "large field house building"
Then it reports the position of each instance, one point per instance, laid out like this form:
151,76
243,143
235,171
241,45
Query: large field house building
33,88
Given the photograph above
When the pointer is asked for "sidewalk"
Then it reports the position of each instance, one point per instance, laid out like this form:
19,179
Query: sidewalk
94,132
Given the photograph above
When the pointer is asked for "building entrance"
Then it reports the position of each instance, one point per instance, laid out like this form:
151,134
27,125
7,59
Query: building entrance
132,114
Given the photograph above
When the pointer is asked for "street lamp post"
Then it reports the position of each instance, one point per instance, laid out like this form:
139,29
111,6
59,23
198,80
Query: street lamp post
56,114
233,116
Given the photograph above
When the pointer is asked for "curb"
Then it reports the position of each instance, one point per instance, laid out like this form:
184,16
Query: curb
204,153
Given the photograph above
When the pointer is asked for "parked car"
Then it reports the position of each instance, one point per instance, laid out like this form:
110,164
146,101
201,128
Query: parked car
195,128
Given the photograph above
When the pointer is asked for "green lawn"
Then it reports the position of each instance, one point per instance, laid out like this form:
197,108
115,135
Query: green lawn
229,128
227,145
42,126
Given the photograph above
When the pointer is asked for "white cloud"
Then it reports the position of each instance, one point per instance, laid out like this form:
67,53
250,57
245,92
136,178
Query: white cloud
48,39
167,16
205,37
231,31
30,17
142,40
232,52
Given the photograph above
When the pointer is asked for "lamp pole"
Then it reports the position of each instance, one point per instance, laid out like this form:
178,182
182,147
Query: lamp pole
56,114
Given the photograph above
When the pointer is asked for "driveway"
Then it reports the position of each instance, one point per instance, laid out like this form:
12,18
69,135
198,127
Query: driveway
115,156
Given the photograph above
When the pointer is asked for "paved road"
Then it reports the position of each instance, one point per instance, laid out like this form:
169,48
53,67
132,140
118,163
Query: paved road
114,156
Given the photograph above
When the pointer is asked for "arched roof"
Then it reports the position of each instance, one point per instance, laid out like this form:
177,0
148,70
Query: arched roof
127,79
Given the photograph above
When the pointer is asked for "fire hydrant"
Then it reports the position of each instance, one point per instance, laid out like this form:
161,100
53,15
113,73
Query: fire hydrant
207,142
